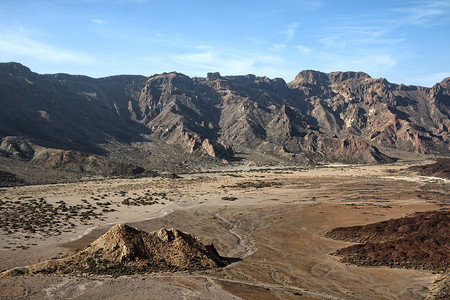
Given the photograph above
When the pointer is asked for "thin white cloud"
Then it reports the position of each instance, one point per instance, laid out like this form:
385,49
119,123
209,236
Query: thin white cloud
278,47
333,43
289,35
269,59
372,63
429,80
303,49
24,46
290,32
424,12
227,62
203,47
98,21
201,58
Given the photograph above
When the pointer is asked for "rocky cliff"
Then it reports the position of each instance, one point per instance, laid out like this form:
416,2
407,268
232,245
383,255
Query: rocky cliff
170,119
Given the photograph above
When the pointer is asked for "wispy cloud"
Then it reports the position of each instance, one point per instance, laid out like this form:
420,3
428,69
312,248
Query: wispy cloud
14,43
98,21
373,42
424,12
333,43
288,34
429,80
303,49
197,62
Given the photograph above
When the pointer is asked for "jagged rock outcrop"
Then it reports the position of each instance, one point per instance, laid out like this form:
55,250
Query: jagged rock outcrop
338,116
125,250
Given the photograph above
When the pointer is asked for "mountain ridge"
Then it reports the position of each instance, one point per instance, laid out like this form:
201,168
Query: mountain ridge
169,119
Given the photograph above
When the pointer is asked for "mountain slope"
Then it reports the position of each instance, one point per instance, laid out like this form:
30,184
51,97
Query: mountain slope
172,121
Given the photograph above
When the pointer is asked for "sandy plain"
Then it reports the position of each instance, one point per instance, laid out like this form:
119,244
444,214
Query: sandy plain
270,220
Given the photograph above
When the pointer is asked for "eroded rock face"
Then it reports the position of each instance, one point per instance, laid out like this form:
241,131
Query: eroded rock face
16,147
65,160
218,116
268,115
127,250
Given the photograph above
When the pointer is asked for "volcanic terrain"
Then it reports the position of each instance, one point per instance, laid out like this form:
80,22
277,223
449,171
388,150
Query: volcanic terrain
123,125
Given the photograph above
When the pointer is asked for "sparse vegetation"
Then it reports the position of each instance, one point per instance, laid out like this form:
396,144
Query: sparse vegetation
254,184
37,216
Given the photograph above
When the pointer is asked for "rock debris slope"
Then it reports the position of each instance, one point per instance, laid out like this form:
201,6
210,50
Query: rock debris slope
170,117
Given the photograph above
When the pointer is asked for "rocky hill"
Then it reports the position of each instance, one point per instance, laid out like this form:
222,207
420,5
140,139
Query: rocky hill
441,168
124,250
416,241
172,121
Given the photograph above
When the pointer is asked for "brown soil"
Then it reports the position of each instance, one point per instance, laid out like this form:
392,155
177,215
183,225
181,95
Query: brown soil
417,241
124,250
441,168
276,232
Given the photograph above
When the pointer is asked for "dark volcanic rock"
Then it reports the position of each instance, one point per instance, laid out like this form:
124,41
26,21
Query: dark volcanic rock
441,168
417,241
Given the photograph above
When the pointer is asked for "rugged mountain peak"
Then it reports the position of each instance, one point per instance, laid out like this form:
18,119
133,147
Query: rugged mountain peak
14,68
445,83
311,77
213,76
217,117
344,76
167,76
170,81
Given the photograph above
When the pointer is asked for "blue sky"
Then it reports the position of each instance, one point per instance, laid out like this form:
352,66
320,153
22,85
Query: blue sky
404,41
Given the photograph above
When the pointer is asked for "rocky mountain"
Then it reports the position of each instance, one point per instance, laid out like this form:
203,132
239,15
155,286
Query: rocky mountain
170,120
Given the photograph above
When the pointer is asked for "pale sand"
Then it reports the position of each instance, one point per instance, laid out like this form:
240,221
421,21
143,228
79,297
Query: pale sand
275,231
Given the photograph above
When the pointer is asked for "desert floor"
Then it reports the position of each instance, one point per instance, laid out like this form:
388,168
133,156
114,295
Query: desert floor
271,220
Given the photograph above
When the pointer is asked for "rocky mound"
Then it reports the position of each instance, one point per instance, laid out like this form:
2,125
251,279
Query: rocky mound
417,241
67,160
74,161
9,179
126,250
441,168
